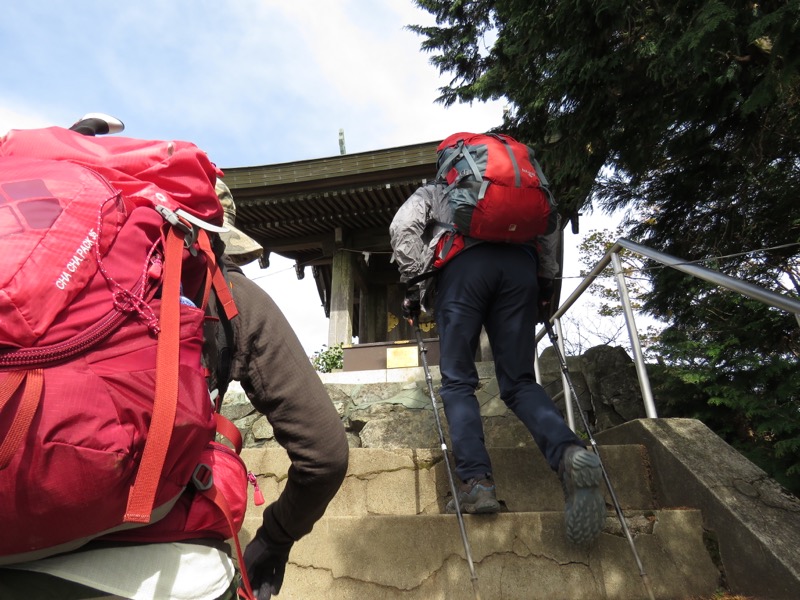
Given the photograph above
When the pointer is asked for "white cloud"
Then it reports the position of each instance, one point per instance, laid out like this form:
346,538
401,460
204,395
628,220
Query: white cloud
11,118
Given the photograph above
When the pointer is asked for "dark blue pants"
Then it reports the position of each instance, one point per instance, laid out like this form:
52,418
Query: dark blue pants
494,286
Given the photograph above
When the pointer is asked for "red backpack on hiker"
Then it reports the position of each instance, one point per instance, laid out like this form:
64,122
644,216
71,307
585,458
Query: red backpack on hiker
106,423
496,189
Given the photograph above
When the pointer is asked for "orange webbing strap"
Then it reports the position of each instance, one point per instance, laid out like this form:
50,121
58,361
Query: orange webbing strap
224,295
211,264
229,431
28,405
217,278
143,493
213,494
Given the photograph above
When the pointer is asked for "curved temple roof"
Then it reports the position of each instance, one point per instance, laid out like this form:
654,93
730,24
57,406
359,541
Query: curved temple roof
306,210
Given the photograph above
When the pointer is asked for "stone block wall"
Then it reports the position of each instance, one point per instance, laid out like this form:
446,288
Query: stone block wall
399,414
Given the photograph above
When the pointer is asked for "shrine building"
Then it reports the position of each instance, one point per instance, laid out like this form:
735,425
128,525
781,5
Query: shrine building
331,217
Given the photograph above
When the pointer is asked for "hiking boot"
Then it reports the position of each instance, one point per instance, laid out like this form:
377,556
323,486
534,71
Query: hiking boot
475,496
580,475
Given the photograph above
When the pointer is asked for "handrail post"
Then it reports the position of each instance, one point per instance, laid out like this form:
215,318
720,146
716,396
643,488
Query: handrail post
633,334
537,371
564,380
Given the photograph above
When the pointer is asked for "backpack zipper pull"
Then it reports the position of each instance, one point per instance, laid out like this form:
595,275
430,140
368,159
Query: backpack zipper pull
258,497
156,268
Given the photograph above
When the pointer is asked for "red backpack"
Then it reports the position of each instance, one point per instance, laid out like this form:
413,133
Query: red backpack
496,189
106,423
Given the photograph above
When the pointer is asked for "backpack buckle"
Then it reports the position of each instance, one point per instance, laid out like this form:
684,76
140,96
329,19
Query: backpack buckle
174,219
202,478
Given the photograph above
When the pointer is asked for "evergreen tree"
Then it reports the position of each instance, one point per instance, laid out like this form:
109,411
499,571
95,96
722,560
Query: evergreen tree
687,112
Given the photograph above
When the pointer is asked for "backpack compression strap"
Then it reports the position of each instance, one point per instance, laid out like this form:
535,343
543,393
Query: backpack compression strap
462,152
165,402
457,153
28,405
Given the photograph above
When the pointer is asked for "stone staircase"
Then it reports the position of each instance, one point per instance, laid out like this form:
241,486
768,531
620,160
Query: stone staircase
385,536
704,518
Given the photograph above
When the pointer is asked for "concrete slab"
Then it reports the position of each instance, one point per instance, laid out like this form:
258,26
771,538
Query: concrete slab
516,556
414,481
755,521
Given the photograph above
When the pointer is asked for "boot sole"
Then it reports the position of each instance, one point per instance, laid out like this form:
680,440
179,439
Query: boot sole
586,511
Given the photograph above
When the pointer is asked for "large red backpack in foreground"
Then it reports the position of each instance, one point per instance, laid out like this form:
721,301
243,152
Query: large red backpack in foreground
105,415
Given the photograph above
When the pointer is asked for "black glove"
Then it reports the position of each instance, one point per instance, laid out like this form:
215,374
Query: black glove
546,292
411,305
265,562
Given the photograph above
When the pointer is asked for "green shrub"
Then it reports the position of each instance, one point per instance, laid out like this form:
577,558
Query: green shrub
328,359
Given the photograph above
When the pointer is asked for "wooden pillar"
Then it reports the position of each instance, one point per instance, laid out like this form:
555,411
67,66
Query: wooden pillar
340,328
372,315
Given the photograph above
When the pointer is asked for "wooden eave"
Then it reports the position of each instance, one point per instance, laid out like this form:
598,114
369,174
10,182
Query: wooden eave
308,210
294,209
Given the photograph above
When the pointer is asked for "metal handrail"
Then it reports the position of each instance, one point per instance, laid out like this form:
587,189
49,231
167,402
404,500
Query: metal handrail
733,284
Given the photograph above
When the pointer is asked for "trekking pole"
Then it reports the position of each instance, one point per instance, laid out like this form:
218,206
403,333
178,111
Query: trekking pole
562,361
423,353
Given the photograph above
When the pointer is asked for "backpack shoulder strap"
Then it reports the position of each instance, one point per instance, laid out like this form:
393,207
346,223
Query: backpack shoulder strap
218,332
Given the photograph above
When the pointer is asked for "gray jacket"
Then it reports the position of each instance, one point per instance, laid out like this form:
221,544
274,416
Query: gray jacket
420,222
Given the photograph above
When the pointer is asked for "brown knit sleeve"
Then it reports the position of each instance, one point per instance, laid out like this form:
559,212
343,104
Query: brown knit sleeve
276,374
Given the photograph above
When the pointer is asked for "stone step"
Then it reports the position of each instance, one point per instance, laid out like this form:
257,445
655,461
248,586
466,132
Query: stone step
414,481
516,556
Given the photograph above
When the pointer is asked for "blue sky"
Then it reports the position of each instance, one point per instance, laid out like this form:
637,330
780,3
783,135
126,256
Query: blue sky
252,82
